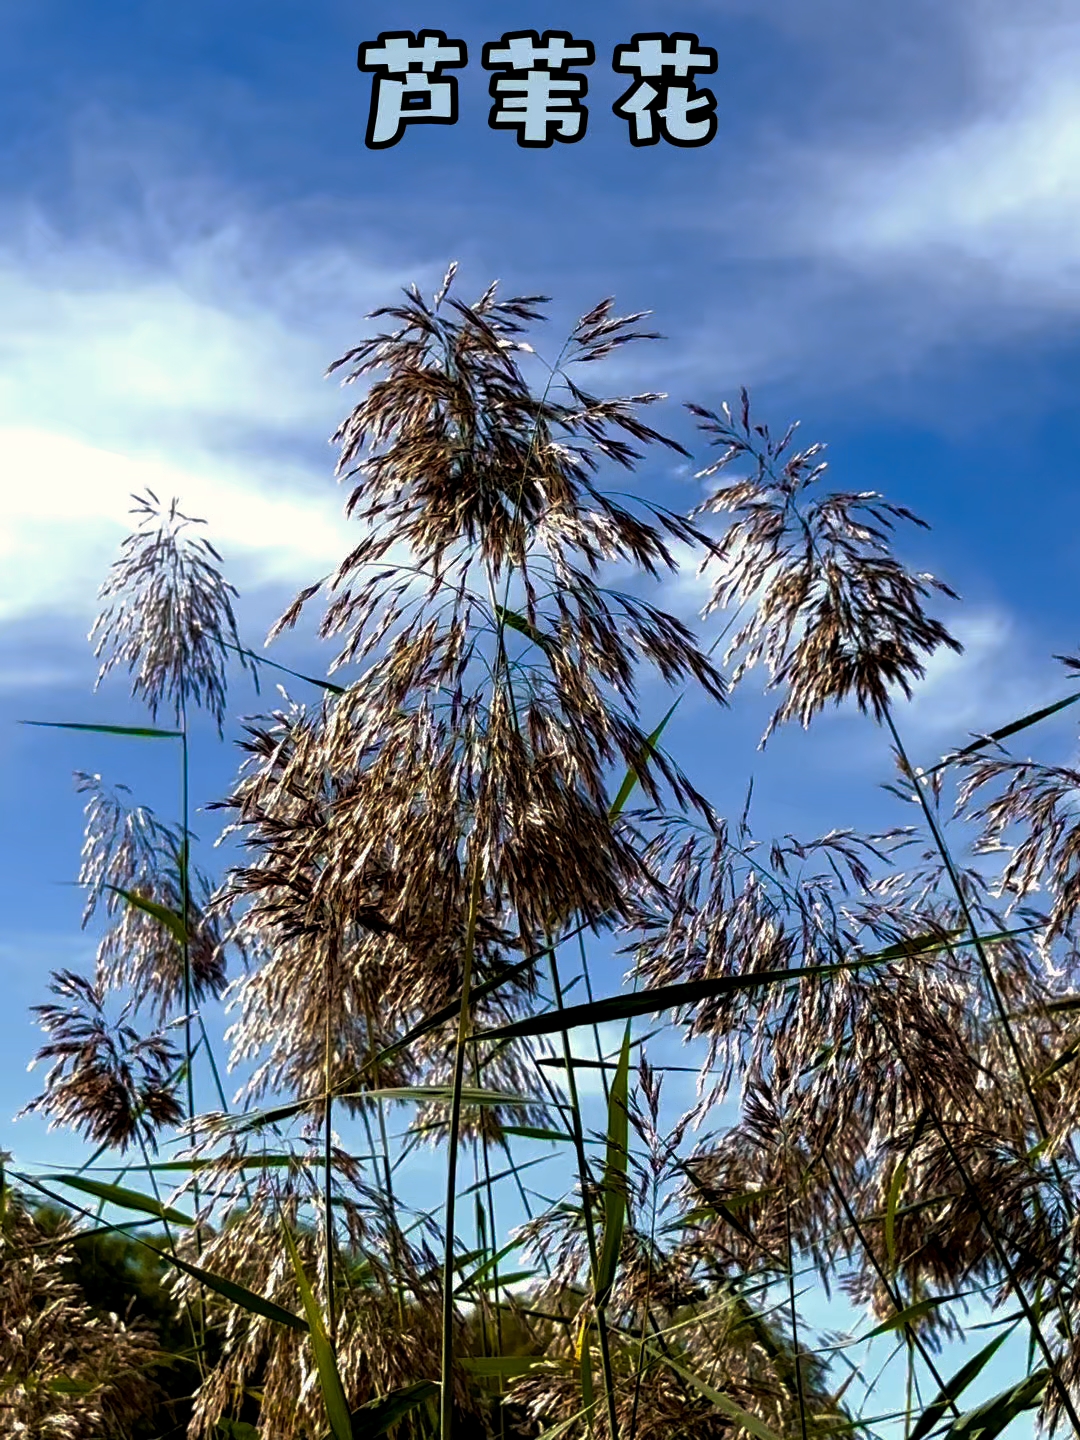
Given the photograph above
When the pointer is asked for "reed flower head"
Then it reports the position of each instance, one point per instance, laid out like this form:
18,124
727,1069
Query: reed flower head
836,614
170,620
504,683
107,1081
69,1374
378,1346
129,857
352,967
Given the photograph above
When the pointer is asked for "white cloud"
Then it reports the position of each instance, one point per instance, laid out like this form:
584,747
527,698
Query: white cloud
189,376
67,509
999,677
919,197
218,329
987,205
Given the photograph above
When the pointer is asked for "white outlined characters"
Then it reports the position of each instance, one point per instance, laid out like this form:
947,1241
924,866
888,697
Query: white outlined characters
409,87
671,107
539,97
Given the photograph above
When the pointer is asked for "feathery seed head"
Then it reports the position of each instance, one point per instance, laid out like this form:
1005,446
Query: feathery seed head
836,615
170,620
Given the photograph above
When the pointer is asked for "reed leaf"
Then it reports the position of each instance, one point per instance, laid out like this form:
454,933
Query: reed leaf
122,1196
667,997
375,1417
145,732
991,1418
913,1312
233,1291
333,1393
1013,728
956,1385
615,1166
171,919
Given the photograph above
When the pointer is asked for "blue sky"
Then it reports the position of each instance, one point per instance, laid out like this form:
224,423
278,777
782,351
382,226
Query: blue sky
881,241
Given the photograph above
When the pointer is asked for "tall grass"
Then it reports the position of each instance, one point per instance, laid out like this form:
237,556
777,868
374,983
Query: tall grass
436,843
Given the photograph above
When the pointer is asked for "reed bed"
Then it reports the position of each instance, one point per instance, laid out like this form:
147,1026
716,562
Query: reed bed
433,845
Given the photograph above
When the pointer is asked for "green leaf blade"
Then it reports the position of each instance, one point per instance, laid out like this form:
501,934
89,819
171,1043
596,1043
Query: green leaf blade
172,920
120,1195
233,1291
956,1385
145,732
630,779
616,1161
333,1392
375,1417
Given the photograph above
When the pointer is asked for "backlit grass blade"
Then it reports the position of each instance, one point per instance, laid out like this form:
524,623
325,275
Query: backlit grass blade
337,1408
65,1385
486,1265
525,627
122,1196
1013,728
991,1418
296,674
896,1184
913,1208
171,919
585,1373
534,1132
664,997
911,1313
556,1431
615,1166
145,732
631,777
451,1010
505,1174
470,1095
1066,1057
227,1289
505,1281
237,1429
1048,1007
464,1027
238,1294
955,1386
556,1062
423,1094
247,1162
690,992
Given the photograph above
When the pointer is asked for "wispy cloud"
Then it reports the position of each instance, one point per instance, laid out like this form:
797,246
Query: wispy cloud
1001,675
61,528
976,216
997,195
178,338
915,192
182,375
